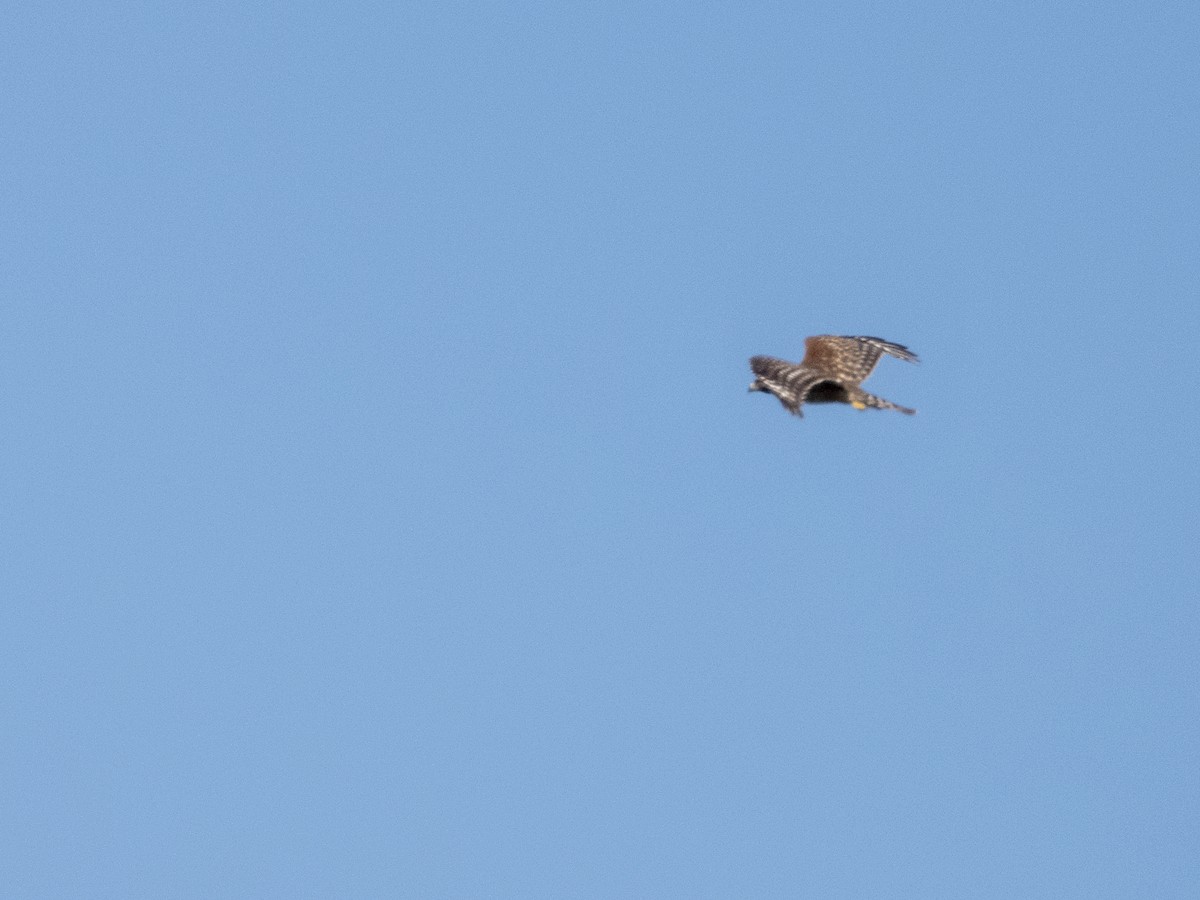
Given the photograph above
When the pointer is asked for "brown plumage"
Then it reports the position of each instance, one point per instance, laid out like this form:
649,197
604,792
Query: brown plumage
832,371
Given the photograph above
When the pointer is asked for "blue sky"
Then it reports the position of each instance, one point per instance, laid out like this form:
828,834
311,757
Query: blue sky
385,514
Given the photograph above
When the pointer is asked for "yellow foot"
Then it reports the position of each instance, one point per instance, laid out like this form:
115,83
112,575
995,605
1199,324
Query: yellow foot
858,404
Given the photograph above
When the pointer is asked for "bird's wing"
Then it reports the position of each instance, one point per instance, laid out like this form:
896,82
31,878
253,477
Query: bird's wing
850,359
788,381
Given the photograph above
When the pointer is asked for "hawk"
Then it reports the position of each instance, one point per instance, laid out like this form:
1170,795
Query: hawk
832,371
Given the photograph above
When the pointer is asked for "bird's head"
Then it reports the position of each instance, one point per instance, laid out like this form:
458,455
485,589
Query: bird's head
757,385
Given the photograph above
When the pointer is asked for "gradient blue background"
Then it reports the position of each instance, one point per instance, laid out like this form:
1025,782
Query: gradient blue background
385,514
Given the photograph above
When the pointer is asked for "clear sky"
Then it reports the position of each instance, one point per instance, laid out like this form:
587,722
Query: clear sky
385,514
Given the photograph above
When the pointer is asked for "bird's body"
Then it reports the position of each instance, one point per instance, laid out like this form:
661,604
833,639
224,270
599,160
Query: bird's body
832,371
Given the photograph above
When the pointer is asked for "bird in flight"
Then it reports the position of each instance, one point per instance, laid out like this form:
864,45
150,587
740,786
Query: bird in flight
832,371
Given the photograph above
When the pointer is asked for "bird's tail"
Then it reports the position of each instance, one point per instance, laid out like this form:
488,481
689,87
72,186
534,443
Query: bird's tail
870,401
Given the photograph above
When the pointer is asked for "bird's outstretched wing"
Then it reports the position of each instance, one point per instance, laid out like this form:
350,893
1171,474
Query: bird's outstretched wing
788,381
849,359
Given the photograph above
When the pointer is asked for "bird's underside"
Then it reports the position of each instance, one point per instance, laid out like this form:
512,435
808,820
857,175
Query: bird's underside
832,371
